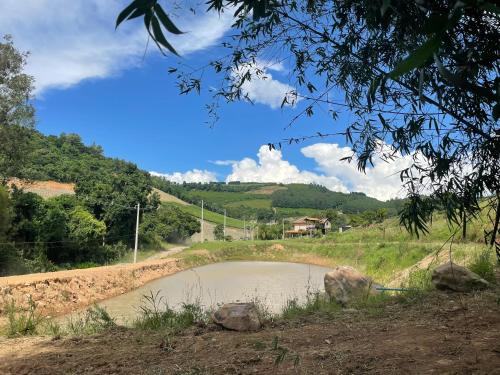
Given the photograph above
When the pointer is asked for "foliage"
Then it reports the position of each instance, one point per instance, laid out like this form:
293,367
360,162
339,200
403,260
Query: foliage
319,197
420,79
219,232
168,223
16,112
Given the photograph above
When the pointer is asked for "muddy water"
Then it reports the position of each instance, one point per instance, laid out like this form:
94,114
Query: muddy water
272,283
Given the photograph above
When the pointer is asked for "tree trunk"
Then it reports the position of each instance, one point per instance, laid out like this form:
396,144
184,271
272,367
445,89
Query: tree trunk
497,220
464,225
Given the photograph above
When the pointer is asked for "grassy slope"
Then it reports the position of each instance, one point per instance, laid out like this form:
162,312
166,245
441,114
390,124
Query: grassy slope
223,197
365,249
210,216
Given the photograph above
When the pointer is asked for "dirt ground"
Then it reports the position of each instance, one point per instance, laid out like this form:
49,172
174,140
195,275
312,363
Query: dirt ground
444,334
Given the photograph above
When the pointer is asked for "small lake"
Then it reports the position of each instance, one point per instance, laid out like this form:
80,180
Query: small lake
271,283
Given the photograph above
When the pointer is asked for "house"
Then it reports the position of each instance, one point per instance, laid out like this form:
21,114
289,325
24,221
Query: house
307,225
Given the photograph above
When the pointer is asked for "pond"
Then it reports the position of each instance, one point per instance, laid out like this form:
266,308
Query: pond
271,283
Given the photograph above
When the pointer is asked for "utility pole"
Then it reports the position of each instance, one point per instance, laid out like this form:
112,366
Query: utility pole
283,223
244,229
224,224
202,234
136,232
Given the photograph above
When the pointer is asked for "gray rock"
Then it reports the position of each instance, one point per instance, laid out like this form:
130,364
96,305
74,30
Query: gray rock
345,283
238,317
451,276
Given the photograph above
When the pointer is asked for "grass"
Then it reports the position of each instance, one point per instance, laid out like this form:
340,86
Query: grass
155,314
211,216
483,264
222,198
252,203
22,322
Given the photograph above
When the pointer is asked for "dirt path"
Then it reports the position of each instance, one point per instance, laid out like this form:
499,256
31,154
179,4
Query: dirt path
446,334
168,253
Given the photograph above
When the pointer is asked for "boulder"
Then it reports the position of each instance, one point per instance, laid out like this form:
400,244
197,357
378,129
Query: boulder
238,317
344,283
451,276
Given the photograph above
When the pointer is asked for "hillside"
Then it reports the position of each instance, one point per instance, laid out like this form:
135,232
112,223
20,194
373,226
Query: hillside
65,159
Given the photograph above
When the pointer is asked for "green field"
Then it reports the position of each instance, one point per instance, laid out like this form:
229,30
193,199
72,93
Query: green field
210,216
253,203
223,198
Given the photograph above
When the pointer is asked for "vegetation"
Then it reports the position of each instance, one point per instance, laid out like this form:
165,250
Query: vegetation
17,115
209,215
320,198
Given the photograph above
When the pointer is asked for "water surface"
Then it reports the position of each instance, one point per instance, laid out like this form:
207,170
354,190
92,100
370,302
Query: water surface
271,283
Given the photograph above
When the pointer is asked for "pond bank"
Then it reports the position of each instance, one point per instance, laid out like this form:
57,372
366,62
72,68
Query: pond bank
60,292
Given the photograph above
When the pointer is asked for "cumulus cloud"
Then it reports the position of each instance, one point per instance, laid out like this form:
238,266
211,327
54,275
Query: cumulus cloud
271,167
380,181
262,87
71,41
195,175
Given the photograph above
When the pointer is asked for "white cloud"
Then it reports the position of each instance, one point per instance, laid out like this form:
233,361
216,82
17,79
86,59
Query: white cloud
262,87
195,175
71,41
380,181
223,162
272,168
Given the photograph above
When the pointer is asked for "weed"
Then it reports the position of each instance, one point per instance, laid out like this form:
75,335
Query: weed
54,329
417,285
282,353
483,265
96,319
316,302
22,322
155,314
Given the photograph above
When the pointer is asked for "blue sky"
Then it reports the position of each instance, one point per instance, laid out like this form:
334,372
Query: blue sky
98,83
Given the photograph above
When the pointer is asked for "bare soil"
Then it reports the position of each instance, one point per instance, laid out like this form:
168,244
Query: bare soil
443,334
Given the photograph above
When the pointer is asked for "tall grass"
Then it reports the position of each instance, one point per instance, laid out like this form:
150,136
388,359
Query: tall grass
22,321
155,314
94,320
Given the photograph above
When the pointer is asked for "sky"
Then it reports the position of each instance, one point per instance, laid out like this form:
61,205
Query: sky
106,86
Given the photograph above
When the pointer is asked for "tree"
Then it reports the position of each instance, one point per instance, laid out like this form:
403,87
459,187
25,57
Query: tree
87,233
168,223
419,77
16,111
219,232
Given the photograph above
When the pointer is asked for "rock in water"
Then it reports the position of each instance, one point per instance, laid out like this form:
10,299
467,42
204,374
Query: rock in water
238,317
344,283
451,276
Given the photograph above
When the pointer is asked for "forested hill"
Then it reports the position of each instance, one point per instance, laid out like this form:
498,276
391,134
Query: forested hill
66,158
319,197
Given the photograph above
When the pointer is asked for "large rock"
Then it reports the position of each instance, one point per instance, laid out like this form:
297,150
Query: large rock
238,317
451,276
345,283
